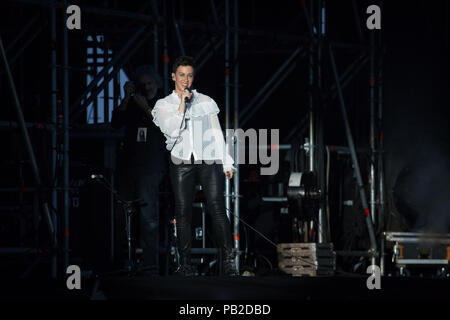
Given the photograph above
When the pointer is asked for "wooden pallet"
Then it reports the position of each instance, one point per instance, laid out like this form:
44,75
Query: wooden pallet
305,248
305,270
312,259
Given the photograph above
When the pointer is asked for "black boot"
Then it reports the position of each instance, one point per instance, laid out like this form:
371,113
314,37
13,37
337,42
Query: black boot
184,248
229,264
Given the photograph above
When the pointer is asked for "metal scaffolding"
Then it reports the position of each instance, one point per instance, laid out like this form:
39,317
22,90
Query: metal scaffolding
161,31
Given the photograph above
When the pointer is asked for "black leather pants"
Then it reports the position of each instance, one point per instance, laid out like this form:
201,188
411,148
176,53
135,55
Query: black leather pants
184,178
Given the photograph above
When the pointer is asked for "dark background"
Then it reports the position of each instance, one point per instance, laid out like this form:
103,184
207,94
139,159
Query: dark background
414,43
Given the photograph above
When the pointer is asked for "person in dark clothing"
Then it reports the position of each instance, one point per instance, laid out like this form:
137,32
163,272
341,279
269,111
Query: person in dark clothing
142,161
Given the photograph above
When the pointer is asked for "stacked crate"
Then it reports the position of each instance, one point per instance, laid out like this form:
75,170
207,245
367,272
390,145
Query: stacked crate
301,259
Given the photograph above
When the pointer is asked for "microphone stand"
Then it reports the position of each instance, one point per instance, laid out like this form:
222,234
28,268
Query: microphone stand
129,208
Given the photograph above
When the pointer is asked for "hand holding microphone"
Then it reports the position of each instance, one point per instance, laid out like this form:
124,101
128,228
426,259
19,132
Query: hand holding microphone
186,95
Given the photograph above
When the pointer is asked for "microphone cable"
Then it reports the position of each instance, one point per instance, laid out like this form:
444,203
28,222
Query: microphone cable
181,124
267,239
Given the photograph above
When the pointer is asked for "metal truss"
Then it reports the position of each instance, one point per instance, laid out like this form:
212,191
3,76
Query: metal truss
161,30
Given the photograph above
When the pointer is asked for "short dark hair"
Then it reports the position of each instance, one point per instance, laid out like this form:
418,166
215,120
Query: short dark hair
183,61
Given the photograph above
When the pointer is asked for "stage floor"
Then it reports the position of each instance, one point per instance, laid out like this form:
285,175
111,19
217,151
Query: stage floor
210,288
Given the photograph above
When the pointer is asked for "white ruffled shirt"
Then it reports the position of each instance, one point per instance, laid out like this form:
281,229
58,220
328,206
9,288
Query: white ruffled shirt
199,134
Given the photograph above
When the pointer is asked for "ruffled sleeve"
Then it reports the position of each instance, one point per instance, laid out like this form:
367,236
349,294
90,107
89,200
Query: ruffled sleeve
167,117
204,106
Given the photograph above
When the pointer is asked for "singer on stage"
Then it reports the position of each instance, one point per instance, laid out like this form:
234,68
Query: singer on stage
188,120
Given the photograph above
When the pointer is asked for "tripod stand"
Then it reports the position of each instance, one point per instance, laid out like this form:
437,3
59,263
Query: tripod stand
129,208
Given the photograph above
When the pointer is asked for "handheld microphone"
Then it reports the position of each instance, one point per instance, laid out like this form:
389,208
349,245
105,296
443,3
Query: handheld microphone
96,176
186,99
